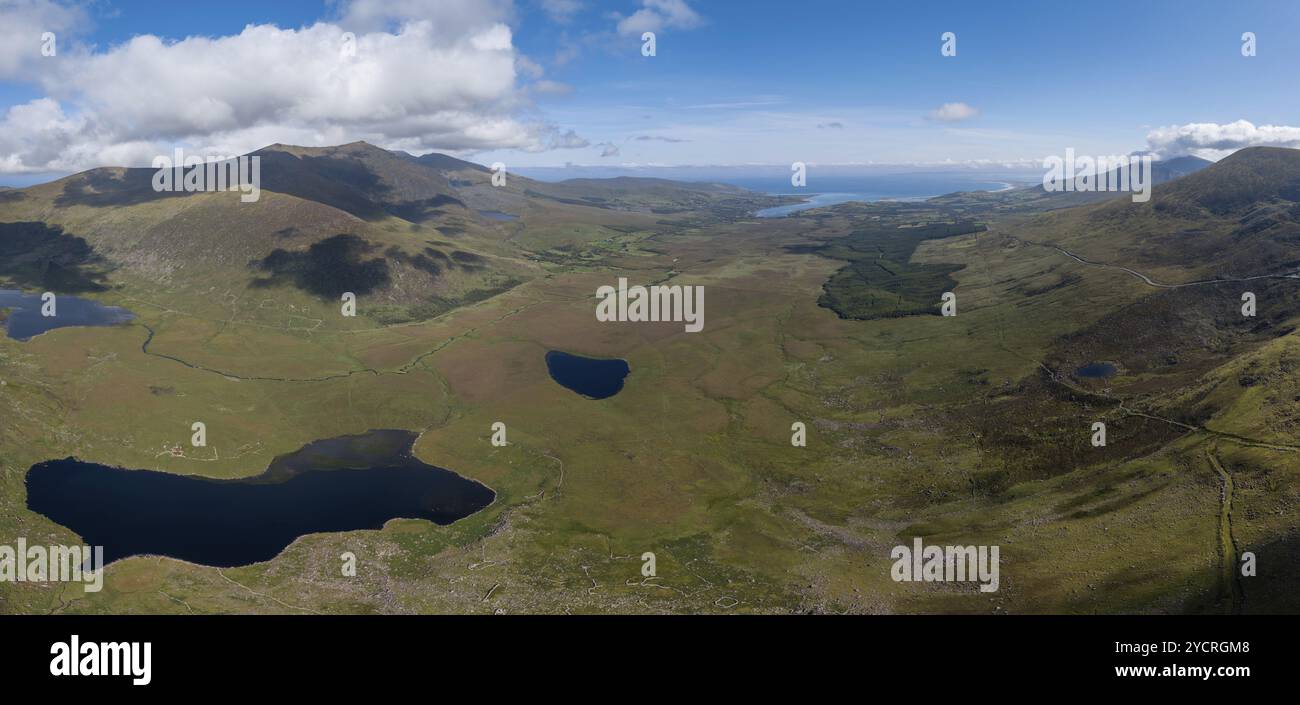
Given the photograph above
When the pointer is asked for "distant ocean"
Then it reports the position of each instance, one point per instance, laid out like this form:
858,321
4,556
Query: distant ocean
840,185
831,190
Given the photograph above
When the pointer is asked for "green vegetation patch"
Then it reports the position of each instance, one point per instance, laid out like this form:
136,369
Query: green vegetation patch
880,280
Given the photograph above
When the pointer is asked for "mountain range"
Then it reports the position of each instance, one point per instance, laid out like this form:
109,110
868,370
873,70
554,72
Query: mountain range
419,234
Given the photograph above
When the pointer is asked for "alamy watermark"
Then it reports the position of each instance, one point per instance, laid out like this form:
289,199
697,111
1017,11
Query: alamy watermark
92,658
1107,173
193,174
653,303
62,564
946,564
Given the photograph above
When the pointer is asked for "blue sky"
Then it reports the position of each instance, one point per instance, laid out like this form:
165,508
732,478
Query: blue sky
733,83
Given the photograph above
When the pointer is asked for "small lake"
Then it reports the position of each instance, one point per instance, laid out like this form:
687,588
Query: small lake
498,215
339,484
593,378
25,321
1096,370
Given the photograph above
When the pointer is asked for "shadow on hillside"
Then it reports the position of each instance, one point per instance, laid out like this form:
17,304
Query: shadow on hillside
1272,589
104,189
327,269
346,184
416,211
38,256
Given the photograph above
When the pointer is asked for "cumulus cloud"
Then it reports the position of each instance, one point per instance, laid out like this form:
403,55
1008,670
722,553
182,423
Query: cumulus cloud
657,15
415,82
22,22
953,112
1210,140
608,149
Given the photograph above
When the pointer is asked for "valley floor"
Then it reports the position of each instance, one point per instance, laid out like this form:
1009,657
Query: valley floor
964,430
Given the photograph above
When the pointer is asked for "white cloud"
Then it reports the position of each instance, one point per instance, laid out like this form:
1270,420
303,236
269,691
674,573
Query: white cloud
657,15
953,112
552,88
527,66
566,140
22,22
44,129
1210,140
452,19
561,10
659,138
418,86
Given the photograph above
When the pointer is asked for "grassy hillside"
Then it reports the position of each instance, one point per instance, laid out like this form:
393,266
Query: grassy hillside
1035,198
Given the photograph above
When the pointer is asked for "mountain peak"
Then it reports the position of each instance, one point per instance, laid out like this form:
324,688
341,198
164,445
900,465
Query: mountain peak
1261,150
351,148
1241,180
443,162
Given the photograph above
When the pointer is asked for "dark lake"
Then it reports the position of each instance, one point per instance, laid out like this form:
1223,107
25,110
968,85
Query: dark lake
25,319
591,377
1096,370
339,484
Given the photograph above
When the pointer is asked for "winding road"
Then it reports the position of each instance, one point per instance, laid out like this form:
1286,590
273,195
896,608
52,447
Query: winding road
1148,280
